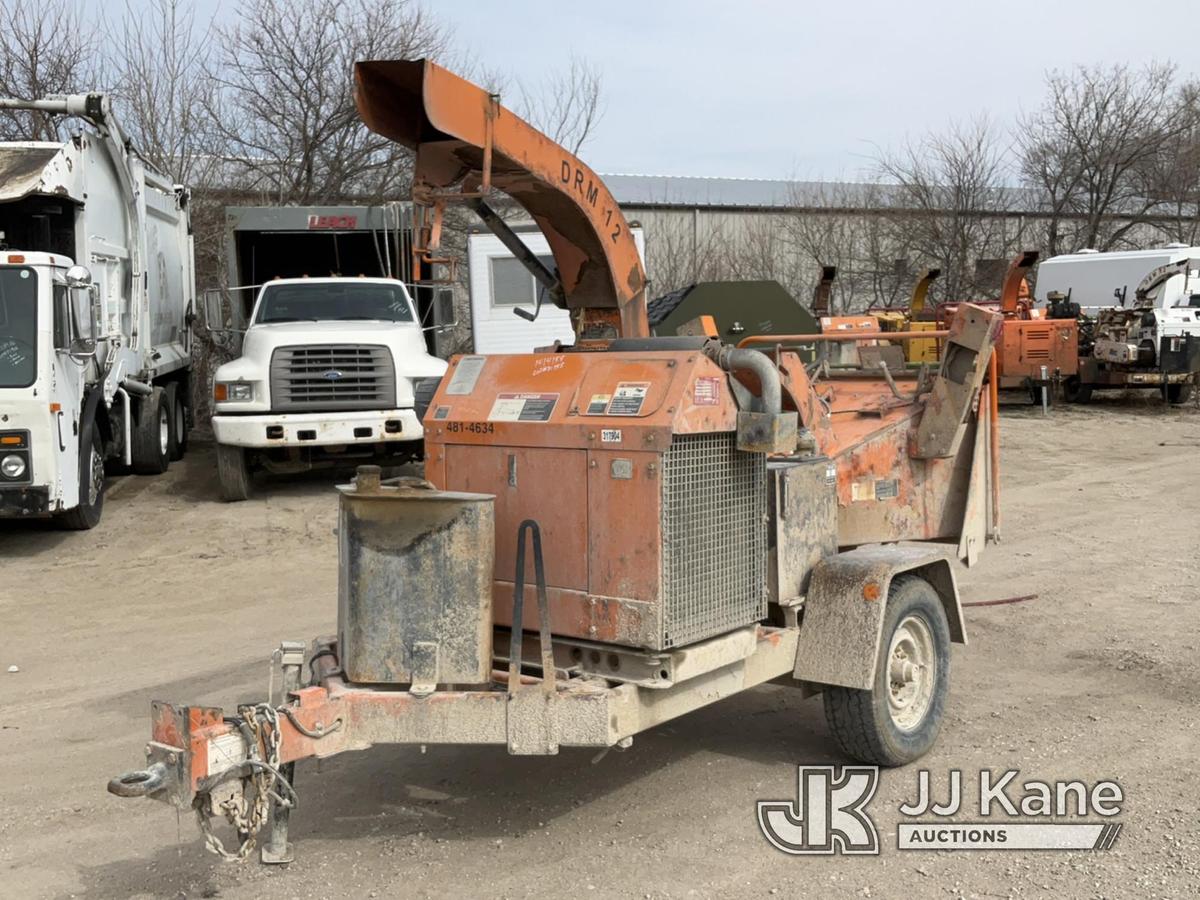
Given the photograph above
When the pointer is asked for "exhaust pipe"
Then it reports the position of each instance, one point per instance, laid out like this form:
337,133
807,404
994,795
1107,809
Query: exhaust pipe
767,429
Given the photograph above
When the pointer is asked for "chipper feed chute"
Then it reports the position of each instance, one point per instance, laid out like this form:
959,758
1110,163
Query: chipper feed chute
610,539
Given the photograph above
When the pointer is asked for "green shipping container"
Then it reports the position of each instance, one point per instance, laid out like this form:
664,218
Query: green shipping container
741,309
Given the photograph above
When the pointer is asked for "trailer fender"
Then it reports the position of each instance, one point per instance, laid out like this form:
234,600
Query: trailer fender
843,609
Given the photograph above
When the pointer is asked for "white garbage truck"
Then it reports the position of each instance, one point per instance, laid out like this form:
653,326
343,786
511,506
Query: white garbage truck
96,297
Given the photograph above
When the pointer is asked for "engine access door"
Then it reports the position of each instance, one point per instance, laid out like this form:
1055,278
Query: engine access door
543,484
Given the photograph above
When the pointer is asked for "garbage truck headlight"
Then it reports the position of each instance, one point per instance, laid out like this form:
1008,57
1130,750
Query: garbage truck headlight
12,466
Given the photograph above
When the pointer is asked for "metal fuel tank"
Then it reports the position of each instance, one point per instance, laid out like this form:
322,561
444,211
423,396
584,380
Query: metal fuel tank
414,583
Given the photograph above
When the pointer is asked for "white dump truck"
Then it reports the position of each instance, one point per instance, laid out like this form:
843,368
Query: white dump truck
96,297
332,371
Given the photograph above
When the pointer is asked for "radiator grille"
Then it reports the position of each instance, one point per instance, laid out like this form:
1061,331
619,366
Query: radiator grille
332,376
714,538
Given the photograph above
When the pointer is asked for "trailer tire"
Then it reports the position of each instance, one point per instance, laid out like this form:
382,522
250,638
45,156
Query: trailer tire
179,419
1176,394
91,483
1075,391
899,719
152,428
233,473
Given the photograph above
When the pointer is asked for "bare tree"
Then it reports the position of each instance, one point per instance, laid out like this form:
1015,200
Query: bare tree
1176,174
1094,148
838,224
158,66
45,48
283,100
947,201
566,105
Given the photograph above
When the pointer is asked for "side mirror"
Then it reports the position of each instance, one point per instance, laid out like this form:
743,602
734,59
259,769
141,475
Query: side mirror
81,310
443,311
219,312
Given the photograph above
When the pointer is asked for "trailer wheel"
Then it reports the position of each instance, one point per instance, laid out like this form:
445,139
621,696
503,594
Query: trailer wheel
1176,394
233,473
91,483
179,419
1075,391
152,434
899,719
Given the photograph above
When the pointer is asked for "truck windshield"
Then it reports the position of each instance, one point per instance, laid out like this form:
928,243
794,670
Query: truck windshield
18,326
334,301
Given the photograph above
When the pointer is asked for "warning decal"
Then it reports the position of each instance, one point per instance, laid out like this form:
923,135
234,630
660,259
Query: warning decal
707,391
628,398
598,405
523,407
442,412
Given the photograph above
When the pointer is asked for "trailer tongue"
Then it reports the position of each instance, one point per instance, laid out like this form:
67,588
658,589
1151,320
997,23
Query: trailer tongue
608,540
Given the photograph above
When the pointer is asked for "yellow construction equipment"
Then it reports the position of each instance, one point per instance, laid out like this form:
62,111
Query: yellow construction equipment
915,318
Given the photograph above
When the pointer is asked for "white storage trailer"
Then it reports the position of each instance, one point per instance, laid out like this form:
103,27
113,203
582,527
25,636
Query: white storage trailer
500,284
96,296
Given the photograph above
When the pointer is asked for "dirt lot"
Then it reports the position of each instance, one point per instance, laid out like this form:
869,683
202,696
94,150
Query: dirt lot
177,596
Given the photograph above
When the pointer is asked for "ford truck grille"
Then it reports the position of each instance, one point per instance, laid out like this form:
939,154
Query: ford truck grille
320,377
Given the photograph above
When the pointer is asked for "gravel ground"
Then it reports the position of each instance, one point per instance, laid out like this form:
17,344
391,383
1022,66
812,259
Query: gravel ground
177,596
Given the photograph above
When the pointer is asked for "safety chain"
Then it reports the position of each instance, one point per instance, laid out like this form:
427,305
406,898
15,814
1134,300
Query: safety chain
259,727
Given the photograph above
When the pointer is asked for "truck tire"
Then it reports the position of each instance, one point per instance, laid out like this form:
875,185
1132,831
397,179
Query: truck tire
899,719
1175,394
1075,391
423,391
151,444
233,473
176,392
91,483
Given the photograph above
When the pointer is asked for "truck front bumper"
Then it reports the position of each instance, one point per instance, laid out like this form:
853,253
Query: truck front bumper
317,429
24,502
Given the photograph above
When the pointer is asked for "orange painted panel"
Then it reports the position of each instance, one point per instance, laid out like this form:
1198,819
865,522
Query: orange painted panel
625,519
550,488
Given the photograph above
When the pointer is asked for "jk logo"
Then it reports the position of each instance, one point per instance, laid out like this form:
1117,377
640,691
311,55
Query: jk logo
828,815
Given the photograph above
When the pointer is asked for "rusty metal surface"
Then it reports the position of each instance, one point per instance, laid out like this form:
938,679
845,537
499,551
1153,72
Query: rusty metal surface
843,610
335,717
465,141
415,584
803,517
973,333
770,433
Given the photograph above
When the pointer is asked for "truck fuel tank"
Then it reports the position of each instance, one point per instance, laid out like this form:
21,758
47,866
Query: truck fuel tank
414,583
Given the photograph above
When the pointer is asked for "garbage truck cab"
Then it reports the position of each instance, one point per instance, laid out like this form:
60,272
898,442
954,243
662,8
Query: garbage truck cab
96,299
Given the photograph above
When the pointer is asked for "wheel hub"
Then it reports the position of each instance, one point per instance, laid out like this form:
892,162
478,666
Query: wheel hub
95,477
912,673
164,430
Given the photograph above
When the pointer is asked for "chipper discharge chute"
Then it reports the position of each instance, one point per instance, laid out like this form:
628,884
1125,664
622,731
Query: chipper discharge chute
616,533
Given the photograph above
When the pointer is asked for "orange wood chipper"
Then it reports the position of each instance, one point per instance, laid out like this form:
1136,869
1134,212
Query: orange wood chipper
614,533
1034,352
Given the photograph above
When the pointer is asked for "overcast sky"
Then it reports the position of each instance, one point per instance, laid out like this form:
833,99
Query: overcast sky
774,89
